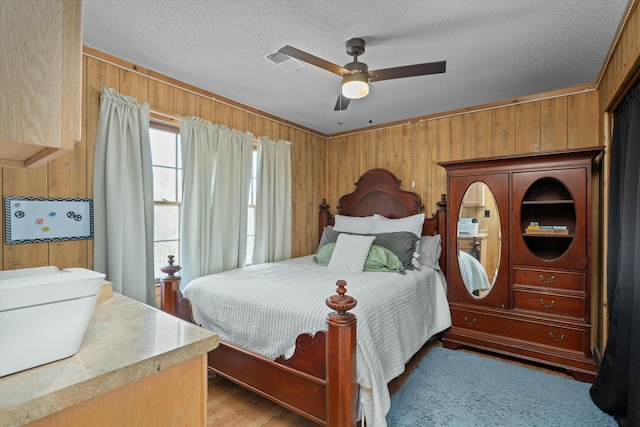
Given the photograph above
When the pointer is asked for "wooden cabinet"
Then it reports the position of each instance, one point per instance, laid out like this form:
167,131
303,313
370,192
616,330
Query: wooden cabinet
475,195
539,306
41,80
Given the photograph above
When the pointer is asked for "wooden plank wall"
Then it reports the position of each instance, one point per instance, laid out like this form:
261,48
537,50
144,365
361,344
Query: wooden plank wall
412,150
71,175
620,73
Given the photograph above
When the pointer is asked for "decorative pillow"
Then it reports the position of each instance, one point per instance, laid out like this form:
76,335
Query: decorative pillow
378,259
353,224
411,223
430,251
382,259
402,244
324,254
350,252
324,239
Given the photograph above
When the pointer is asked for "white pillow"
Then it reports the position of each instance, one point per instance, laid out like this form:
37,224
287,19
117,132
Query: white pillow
353,224
430,251
350,252
411,223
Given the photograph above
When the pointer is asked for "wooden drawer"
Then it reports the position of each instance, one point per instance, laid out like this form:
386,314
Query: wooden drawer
552,304
550,279
558,336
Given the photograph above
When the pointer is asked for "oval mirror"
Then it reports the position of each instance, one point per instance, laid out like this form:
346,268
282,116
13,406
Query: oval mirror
479,239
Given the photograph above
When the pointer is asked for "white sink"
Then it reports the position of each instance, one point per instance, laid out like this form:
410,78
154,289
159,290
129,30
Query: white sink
44,314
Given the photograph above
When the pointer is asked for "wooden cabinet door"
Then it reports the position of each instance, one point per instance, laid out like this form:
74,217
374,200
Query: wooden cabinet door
41,106
497,188
552,198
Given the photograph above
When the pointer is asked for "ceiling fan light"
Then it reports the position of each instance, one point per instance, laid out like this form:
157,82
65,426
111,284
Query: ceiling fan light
355,86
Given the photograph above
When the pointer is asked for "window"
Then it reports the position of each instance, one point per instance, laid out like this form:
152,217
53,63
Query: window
251,217
167,192
167,195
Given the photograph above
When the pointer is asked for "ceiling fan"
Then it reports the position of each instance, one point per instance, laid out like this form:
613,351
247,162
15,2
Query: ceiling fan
356,75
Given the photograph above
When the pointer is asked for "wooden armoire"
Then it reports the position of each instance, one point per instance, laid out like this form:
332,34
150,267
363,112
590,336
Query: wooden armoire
536,215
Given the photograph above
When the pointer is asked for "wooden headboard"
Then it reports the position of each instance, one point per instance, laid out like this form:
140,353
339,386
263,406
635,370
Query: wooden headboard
378,192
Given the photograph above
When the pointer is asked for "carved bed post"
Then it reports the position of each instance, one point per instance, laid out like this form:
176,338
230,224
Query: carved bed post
324,217
341,360
169,286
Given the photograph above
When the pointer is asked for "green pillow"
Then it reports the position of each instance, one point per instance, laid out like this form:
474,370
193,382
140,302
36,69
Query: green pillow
379,259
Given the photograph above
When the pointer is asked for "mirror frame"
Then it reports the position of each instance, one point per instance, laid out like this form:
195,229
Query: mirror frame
479,197
498,184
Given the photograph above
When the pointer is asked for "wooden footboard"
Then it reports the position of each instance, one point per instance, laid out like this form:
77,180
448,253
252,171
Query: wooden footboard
318,381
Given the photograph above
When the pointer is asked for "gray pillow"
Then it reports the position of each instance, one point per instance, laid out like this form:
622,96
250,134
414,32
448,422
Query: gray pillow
401,243
324,239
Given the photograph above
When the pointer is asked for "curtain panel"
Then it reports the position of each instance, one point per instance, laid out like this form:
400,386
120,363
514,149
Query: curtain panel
123,197
216,165
617,387
273,201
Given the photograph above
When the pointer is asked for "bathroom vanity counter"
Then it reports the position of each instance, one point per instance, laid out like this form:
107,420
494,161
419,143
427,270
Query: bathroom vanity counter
136,366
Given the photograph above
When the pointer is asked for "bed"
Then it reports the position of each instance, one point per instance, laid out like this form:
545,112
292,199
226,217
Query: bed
306,361
473,274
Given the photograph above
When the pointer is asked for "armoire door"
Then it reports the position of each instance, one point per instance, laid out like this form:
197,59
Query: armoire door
479,280
544,199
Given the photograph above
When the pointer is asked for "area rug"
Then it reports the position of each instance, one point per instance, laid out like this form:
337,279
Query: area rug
455,388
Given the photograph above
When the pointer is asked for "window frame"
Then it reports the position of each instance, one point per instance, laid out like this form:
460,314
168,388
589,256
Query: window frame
156,125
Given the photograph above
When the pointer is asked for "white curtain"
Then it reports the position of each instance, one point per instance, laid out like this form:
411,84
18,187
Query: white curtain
216,165
273,201
123,197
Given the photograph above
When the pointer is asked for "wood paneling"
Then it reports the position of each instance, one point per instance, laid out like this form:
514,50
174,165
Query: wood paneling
619,74
160,96
622,69
206,108
184,103
504,131
528,127
553,123
582,120
71,175
481,133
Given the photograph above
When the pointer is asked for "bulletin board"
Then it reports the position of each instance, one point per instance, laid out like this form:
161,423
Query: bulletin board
32,219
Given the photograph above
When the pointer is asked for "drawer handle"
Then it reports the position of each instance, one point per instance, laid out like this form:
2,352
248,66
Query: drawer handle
473,322
549,305
556,339
547,282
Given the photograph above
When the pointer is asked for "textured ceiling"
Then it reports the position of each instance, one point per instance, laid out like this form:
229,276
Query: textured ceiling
495,50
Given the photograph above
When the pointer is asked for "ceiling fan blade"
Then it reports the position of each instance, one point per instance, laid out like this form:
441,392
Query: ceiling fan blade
342,103
408,71
313,60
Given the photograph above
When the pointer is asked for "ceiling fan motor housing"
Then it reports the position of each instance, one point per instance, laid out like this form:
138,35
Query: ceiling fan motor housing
355,46
356,67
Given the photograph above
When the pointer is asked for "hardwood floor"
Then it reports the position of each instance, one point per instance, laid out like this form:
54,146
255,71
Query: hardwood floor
230,405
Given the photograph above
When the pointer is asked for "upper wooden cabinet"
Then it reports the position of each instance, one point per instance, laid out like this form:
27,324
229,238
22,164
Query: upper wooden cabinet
41,80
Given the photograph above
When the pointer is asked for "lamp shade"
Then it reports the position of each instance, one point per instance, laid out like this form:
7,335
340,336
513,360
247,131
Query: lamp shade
356,85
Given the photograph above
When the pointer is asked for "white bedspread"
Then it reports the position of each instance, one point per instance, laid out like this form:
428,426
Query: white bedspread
265,307
472,272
